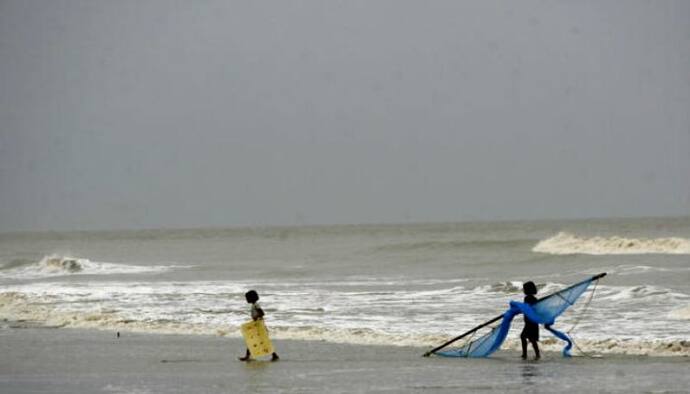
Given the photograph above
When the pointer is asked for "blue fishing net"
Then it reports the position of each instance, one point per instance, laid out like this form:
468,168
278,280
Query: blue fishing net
543,312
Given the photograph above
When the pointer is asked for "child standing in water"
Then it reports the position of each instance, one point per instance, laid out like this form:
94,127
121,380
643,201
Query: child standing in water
531,330
257,313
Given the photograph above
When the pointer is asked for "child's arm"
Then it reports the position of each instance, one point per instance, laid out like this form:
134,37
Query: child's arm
257,313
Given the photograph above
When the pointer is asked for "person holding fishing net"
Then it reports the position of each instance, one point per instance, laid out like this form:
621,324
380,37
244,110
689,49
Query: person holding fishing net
537,311
531,331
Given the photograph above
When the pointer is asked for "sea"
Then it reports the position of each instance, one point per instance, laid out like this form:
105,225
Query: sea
391,284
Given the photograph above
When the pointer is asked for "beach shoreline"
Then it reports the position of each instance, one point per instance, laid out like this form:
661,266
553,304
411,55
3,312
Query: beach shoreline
69,360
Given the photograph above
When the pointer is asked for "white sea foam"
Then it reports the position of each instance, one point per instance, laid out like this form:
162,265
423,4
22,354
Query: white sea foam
680,314
55,265
567,243
640,269
111,320
391,315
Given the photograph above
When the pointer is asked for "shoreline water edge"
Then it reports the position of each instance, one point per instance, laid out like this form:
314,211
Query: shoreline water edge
397,285
91,361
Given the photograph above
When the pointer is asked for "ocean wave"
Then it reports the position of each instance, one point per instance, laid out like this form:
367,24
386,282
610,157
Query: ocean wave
55,265
680,314
635,293
566,243
112,321
508,287
625,269
410,318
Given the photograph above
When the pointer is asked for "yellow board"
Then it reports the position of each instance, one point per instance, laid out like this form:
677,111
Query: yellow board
256,336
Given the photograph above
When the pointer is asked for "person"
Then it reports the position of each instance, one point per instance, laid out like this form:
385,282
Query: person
256,313
531,331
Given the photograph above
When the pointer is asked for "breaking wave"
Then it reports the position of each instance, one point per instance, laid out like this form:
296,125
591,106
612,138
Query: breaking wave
419,318
566,243
110,320
680,314
55,265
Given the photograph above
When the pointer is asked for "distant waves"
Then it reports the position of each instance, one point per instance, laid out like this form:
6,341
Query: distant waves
56,265
566,243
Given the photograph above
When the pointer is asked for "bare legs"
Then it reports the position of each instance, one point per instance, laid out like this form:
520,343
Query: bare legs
535,345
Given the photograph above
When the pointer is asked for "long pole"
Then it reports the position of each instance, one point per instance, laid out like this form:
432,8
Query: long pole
437,348
434,350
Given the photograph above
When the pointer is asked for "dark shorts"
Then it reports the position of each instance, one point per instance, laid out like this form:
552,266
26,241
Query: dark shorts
531,331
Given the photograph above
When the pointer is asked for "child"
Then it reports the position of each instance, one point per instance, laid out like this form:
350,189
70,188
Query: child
257,313
531,330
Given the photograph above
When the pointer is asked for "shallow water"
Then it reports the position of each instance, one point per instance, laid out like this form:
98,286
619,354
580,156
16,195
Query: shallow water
412,285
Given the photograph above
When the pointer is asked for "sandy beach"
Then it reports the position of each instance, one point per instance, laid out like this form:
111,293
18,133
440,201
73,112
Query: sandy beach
38,360
373,179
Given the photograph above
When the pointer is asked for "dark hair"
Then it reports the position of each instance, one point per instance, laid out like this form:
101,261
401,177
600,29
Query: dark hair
251,296
529,288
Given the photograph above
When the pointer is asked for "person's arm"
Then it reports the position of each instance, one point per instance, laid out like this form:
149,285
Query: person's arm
257,313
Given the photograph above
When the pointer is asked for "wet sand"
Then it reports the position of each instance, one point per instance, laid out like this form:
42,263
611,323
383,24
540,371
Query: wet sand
36,360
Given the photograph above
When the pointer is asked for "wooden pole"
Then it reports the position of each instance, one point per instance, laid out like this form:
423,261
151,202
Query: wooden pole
437,348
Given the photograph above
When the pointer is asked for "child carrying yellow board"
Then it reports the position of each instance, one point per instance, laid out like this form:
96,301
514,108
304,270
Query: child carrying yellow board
255,333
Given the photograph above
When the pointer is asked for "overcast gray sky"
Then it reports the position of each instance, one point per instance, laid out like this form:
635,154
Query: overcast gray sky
141,114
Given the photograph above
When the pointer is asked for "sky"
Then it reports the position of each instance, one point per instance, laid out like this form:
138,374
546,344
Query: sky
168,114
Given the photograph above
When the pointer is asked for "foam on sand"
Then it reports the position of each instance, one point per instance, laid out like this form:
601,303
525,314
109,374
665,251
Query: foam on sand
566,243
